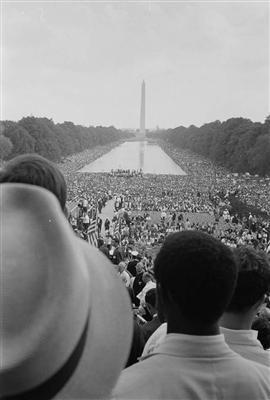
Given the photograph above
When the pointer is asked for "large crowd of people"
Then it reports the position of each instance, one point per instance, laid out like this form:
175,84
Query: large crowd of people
195,283
253,190
155,205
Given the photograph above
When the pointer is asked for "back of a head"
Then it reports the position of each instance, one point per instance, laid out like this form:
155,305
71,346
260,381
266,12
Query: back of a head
36,170
147,276
100,242
197,273
151,297
253,280
121,266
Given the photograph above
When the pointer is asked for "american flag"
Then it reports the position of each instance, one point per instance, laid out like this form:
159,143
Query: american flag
117,229
92,232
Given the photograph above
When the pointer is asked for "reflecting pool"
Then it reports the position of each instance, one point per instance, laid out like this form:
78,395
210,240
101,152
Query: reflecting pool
135,155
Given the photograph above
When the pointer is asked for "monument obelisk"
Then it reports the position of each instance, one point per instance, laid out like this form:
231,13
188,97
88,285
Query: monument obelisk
142,128
142,116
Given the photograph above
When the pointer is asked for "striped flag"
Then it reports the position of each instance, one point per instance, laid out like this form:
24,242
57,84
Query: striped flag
117,229
92,232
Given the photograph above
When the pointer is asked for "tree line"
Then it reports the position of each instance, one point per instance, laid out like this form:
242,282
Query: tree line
50,140
237,144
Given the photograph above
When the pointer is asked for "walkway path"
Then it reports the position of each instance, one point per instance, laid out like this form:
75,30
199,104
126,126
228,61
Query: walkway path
107,212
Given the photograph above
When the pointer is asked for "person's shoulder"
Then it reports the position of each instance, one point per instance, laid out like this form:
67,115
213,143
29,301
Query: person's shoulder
155,339
137,380
151,326
254,370
257,378
256,354
126,274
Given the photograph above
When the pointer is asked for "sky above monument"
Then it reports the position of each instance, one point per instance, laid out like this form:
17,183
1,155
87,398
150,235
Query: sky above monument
85,61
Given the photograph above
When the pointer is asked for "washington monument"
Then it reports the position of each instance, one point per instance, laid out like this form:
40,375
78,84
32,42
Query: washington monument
142,116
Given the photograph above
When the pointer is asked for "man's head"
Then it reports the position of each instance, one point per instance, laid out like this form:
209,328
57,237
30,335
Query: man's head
253,282
36,170
196,276
121,267
100,242
139,268
147,277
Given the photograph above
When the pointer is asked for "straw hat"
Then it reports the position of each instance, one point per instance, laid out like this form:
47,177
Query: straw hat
66,321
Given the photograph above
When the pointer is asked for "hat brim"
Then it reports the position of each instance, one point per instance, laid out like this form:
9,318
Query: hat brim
106,350
81,329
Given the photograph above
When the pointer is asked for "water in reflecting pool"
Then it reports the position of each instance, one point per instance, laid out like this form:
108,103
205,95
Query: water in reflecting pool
135,155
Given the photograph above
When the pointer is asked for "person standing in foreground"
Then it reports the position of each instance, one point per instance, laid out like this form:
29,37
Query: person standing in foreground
196,276
251,292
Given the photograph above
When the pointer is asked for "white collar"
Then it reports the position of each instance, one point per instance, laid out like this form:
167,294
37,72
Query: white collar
194,346
240,335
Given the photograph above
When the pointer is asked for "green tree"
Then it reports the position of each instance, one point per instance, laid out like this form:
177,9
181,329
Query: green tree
21,140
260,155
238,143
5,147
45,141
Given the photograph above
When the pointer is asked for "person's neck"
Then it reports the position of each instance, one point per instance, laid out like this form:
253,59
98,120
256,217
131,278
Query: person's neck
193,328
237,321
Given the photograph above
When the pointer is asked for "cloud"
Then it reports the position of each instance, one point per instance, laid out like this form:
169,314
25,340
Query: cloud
85,62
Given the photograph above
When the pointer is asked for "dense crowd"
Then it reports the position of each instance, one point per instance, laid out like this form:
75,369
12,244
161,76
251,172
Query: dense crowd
253,190
196,305
156,205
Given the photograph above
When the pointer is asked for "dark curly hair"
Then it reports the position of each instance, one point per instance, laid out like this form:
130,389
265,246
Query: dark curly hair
253,278
198,273
36,170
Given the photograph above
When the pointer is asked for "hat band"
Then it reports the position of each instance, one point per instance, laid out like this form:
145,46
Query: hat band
48,389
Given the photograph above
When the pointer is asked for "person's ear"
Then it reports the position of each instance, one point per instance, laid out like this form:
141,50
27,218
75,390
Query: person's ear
161,308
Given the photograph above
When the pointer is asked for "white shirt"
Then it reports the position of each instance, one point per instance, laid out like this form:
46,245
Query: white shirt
125,278
155,339
131,282
141,296
194,367
245,343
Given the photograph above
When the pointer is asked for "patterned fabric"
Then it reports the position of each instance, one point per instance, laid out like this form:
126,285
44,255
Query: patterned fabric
92,232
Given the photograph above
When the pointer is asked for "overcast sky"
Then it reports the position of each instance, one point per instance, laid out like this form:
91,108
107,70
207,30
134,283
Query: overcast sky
84,62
